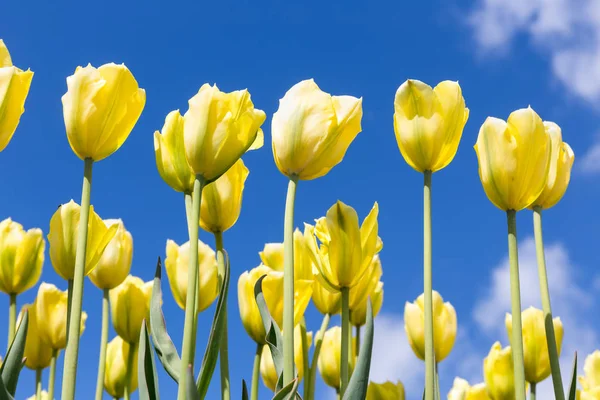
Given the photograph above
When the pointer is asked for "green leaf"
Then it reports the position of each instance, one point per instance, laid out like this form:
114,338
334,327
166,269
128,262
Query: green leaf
4,395
209,361
244,390
190,391
165,349
147,378
289,391
357,387
13,362
573,385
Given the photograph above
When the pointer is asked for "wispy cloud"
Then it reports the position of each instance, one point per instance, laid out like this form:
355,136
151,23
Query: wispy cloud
590,163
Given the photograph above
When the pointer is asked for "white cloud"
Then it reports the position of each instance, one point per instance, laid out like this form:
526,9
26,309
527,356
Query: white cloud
590,163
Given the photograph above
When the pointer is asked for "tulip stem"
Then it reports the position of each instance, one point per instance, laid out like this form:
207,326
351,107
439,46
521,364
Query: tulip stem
69,300
256,371
190,226
515,294
52,376
130,359
288,283
346,332
38,384
357,346
532,391
103,343
313,366
559,392
305,366
74,317
188,345
12,318
224,349
428,290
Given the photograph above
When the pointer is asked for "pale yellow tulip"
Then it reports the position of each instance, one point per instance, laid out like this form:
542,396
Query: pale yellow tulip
129,306
115,262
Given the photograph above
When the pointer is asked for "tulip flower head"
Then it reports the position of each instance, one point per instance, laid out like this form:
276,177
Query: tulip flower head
21,257
461,390
100,108
117,352
326,301
385,391
498,373
590,382
14,87
272,256
329,358
129,306
115,262
37,354
312,130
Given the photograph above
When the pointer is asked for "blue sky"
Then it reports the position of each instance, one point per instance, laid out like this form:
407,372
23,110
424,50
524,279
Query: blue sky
505,54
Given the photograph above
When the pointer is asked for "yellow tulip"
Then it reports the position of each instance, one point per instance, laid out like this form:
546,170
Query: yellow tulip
498,373
326,301
590,382
21,257
177,270
535,347
559,172
37,354
43,397
64,228
272,287
329,358
117,352
385,391
358,315
267,368
429,123
222,200
129,306
514,157
14,87
115,262
218,129
100,108
592,394
51,316
444,326
312,130
461,390
272,256
367,285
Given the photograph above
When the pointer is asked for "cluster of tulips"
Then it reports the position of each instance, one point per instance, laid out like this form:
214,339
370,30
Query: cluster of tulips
333,261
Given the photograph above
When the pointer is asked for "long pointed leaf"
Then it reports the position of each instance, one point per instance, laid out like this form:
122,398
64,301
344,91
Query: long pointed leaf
13,363
357,387
4,395
209,361
165,349
244,390
147,378
288,392
573,385
190,390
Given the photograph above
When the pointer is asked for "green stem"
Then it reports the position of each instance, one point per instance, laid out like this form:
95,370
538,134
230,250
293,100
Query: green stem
190,226
305,366
515,294
428,290
357,347
316,353
103,343
38,384
70,365
52,376
69,301
288,283
12,318
345,342
130,359
437,383
188,345
224,349
256,372
532,391
559,392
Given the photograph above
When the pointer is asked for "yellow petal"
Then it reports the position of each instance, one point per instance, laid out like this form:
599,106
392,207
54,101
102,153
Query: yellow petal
115,262
14,87
130,305
345,253
117,352
5,60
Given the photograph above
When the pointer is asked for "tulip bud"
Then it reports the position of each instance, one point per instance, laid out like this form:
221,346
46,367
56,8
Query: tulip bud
129,306
64,230
358,315
590,382
535,346
272,287
100,109
329,358
37,354
272,256
218,129
115,262
44,396
177,270
444,326
498,373
267,367
222,200
514,157
463,391
21,257
385,391
51,316
325,301
429,123
117,352
312,130
559,172
14,87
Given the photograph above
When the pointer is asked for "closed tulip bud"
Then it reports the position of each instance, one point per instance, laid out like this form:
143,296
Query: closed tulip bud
21,257
115,262
51,316
514,157
218,129
312,130
559,172
129,306
498,373
535,347
358,315
385,391
329,358
177,270
100,108
222,200
444,326
44,396
37,354
590,382
117,352
461,390
267,368
64,228
326,301
429,123
272,256
272,287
